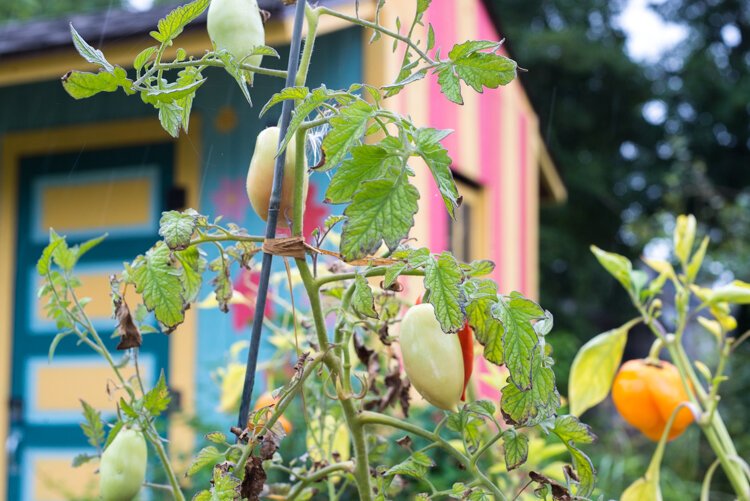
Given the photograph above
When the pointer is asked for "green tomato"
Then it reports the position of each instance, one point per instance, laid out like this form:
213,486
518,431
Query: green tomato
123,466
236,26
432,358
260,176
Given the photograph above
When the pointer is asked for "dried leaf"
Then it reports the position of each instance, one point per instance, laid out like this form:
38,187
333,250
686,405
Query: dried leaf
130,336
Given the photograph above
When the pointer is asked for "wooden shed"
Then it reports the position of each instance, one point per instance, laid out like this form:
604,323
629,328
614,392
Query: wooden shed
105,165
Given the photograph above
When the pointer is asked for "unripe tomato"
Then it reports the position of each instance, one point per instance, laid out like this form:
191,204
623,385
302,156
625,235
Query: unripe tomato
432,358
645,395
123,466
466,338
260,176
266,400
236,26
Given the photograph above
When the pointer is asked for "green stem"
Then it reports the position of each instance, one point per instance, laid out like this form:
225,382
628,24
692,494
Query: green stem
376,27
300,171
318,476
216,63
311,16
374,418
155,440
226,238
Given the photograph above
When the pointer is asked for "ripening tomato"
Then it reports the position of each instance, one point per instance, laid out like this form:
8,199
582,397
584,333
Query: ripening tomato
266,400
432,358
646,394
260,176
123,466
237,27
466,338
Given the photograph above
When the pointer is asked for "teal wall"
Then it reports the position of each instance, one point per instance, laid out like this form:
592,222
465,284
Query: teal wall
337,62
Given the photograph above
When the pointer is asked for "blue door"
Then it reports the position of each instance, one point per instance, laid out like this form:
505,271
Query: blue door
82,195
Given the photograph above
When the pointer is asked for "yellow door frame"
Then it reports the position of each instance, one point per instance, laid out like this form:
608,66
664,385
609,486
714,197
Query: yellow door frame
92,136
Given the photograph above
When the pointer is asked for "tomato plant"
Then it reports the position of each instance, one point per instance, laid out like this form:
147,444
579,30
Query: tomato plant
354,389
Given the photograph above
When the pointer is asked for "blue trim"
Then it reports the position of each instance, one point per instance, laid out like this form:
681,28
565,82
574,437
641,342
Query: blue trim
41,183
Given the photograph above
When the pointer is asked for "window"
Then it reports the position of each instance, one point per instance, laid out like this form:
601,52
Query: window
467,233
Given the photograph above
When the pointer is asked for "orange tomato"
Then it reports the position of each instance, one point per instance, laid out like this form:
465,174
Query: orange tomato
645,395
267,402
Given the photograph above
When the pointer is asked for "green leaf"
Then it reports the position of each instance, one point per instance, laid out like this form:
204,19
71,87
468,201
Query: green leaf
172,93
93,426
538,403
393,272
382,210
170,117
450,85
737,292
128,409
515,448
482,69
176,228
417,465
172,25
586,473
81,459
478,268
208,456
143,56
520,338
427,141
89,53
113,433
442,279
643,489
156,279
45,260
193,266
481,295
55,341
363,301
618,266
697,260
293,93
570,429
86,246
216,437
494,349
82,84
594,368
347,128
430,38
684,236
157,399
368,162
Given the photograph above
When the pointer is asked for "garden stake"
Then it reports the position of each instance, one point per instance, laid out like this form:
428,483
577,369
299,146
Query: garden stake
273,215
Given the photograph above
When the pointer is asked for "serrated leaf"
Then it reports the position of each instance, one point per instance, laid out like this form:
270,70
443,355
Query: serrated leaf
393,272
128,409
515,448
45,260
170,117
570,429
143,56
176,228
82,84
173,23
159,282
450,85
427,141
478,268
363,301
481,296
442,279
381,211
538,403
86,246
293,93
519,338
494,350
157,399
55,341
481,69
93,426
171,94
193,266
347,128
208,456
430,37
89,53
368,162
416,466
594,368
586,472
113,433
216,437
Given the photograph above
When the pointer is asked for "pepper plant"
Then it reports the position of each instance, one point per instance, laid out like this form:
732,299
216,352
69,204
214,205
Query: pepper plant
654,395
351,376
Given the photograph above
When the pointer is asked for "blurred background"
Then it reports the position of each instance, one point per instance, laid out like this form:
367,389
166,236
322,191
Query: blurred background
644,107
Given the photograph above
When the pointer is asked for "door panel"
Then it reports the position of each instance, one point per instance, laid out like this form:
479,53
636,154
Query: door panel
119,191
